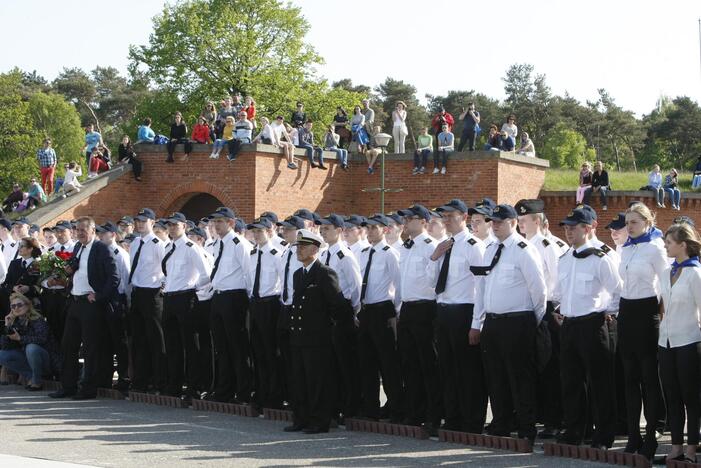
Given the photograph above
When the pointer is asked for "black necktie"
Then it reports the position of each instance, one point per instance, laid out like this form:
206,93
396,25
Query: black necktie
2,246
287,272
366,274
16,253
136,260
482,270
585,253
443,275
328,257
63,248
216,262
256,281
24,264
165,259
409,243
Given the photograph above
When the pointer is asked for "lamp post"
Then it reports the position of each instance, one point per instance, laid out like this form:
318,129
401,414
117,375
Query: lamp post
382,140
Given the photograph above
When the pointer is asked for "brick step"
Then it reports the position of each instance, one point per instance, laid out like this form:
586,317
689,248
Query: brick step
226,408
511,444
160,400
582,452
110,394
680,464
277,414
379,427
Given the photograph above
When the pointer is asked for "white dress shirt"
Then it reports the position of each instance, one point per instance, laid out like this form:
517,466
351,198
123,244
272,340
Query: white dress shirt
343,262
559,243
206,292
642,266
3,269
489,240
613,253
398,246
148,273
550,253
516,283
232,272
682,303
212,246
270,284
10,250
357,248
185,267
81,285
288,256
121,259
467,251
414,264
279,243
384,280
585,285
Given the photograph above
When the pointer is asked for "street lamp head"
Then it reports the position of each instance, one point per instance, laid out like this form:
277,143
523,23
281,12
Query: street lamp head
382,140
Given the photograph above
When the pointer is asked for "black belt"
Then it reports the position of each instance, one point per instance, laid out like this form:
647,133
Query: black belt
80,297
229,291
509,315
55,291
179,293
582,318
265,299
377,305
420,302
146,289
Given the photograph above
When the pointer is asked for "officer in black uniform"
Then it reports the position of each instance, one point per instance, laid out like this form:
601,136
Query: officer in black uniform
317,301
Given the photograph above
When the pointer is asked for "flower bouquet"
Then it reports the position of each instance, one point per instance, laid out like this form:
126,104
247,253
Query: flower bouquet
53,265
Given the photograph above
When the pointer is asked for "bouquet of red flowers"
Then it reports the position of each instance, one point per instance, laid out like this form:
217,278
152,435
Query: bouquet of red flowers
53,265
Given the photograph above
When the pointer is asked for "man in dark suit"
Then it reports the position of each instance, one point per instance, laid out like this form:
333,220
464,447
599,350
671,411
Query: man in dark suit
317,302
95,282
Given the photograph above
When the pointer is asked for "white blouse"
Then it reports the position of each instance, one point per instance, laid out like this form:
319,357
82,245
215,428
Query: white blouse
680,323
642,266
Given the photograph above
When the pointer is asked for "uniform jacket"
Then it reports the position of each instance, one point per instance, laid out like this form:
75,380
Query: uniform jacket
102,271
19,275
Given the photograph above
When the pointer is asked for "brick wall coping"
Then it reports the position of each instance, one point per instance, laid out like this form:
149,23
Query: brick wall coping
616,193
330,155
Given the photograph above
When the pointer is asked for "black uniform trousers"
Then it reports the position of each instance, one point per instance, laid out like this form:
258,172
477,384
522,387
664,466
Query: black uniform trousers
462,373
85,324
378,355
508,352
347,371
54,306
681,382
148,344
312,387
548,387
232,348
417,347
115,319
264,316
179,330
205,355
283,345
638,332
587,363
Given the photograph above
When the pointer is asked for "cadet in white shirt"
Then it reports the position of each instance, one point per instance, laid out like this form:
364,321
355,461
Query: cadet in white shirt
380,298
230,279
185,272
480,224
394,234
345,335
20,230
278,242
680,339
643,264
511,302
353,233
559,243
436,228
145,317
618,231
264,290
587,277
415,335
7,242
460,360
116,318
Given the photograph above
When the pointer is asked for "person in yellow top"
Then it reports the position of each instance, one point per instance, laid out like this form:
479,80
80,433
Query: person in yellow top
228,134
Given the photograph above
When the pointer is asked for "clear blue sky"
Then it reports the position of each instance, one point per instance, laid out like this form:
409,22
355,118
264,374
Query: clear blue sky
637,50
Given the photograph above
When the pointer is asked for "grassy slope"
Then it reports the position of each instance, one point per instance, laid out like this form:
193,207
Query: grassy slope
567,179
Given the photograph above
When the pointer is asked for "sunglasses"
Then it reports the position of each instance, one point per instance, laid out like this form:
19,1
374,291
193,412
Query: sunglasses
19,305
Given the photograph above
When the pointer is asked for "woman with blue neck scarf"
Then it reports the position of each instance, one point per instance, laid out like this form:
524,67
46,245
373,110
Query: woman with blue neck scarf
643,264
680,340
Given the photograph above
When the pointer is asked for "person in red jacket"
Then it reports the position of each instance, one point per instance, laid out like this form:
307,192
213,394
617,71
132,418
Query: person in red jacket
200,132
442,118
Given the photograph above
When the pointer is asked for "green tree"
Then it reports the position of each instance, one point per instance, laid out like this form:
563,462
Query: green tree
565,147
348,85
456,101
79,88
57,119
676,127
621,134
392,91
528,97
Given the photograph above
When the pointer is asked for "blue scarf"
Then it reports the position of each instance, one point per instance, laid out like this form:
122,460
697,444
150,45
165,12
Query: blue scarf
653,233
689,262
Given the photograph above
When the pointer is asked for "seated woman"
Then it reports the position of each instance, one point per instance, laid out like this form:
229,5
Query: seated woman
424,148
70,181
585,177
126,154
22,275
331,143
360,135
27,346
527,148
506,141
227,134
97,163
654,183
671,188
340,122
201,132
492,139
266,135
446,145
599,183
35,195
696,176
145,134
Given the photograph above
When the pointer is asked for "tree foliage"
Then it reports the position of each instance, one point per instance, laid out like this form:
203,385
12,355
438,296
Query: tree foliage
565,147
389,93
57,119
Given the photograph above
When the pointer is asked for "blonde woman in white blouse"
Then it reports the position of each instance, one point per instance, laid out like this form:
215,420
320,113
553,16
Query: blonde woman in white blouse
643,264
399,128
680,340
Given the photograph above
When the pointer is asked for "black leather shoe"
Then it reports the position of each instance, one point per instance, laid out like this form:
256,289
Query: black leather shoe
568,439
315,430
84,396
294,428
31,388
548,433
61,394
649,447
633,445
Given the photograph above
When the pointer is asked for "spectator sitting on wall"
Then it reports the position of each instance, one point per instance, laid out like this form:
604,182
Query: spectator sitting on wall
306,142
283,140
446,145
243,132
299,117
696,178
126,154
599,183
210,116
510,126
293,132
360,135
249,106
92,140
201,131
585,176
106,155
226,136
506,141
97,163
35,194
442,118
340,122
493,139
13,198
70,180
178,134
424,148
226,111
373,152
527,148
671,188
266,134
330,143
145,134
654,184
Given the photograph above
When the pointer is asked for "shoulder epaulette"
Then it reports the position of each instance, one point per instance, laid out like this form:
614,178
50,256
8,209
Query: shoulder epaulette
236,240
283,243
254,251
428,240
560,243
522,244
471,241
340,254
386,247
365,249
155,240
546,242
605,248
116,251
600,254
273,251
189,244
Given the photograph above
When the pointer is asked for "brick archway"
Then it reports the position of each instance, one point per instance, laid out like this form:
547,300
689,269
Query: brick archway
179,195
